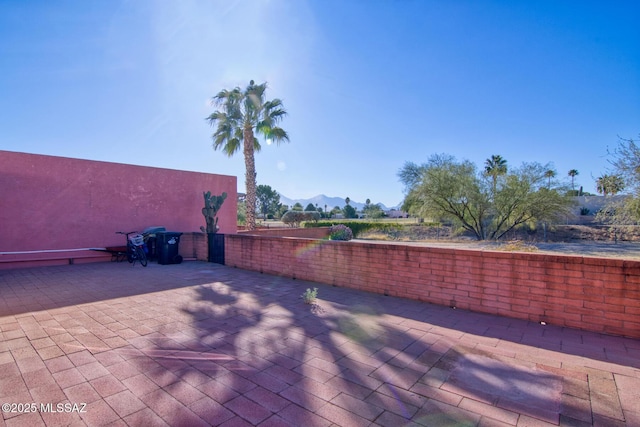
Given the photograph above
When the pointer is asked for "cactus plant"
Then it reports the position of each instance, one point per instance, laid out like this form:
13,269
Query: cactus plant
212,205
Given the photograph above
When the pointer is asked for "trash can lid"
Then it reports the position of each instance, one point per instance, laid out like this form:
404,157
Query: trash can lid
153,230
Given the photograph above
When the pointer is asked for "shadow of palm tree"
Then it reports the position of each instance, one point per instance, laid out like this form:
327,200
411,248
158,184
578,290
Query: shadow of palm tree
256,350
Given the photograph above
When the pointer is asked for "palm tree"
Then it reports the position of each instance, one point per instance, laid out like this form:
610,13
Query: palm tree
494,167
244,113
572,174
549,174
347,200
609,184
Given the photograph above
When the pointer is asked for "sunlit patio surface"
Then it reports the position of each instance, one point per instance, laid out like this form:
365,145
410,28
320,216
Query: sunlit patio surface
204,344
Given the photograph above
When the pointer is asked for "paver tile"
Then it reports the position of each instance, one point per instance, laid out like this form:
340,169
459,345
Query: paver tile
267,399
68,377
25,420
47,394
107,385
58,364
99,413
298,416
211,411
390,419
122,370
218,391
364,409
248,410
140,384
39,378
184,392
124,403
303,398
12,385
161,402
30,364
92,370
82,357
82,393
392,404
341,417
277,421
236,421
145,417
489,411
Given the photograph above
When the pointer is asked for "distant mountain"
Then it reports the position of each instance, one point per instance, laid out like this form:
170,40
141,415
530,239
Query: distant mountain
321,200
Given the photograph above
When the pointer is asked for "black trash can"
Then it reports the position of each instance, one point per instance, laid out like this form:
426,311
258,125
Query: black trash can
168,244
152,241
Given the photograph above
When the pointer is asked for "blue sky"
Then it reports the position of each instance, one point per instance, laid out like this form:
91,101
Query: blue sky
368,84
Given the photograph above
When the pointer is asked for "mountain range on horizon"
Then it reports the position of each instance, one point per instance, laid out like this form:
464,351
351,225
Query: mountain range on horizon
321,200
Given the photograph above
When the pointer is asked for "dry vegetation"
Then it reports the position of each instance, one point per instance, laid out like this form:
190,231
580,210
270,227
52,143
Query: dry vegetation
583,240
555,233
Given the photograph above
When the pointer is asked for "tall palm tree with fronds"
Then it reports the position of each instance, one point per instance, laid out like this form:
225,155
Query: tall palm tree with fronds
572,174
549,174
494,167
609,184
242,114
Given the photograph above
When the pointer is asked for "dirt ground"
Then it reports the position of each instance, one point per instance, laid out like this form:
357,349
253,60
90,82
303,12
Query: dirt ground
579,240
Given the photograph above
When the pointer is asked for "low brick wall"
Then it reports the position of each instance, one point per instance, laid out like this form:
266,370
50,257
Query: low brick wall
10,261
193,246
595,294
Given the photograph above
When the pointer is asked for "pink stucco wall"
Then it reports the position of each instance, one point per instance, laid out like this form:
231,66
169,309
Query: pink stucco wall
53,203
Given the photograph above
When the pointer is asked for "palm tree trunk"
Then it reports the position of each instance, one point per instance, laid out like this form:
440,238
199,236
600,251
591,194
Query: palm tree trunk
250,177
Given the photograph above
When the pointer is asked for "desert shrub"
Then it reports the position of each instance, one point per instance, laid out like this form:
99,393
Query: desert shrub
355,226
295,218
517,246
358,227
340,232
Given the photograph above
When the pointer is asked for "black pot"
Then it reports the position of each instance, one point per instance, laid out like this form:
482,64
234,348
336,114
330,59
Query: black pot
216,247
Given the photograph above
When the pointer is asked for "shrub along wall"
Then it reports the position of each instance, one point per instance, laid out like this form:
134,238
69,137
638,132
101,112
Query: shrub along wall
595,294
307,233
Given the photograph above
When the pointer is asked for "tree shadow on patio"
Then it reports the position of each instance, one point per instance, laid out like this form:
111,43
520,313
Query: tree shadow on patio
257,351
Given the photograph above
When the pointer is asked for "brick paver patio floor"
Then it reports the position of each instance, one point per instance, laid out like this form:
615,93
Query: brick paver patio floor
203,344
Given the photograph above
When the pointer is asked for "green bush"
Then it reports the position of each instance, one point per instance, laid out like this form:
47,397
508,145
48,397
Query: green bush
358,227
340,232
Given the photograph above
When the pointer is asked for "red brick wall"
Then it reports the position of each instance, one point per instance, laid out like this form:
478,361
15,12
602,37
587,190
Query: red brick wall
193,246
595,294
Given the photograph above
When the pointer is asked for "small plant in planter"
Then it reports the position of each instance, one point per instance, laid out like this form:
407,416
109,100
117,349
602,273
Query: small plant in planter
340,232
309,296
215,245
212,205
